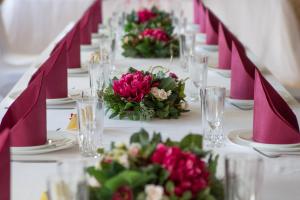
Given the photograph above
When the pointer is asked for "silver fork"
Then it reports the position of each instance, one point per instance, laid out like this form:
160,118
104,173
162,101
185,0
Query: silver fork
275,155
242,108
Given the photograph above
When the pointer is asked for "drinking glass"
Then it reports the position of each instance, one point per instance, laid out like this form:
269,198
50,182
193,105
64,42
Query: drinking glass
97,78
90,122
243,177
213,106
69,182
197,74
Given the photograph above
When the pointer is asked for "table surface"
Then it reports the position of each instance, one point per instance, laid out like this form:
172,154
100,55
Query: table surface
29,179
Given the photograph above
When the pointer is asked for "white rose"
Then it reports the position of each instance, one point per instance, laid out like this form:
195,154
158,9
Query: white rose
134,149
154,91
123,160
92,181
184,105
154,192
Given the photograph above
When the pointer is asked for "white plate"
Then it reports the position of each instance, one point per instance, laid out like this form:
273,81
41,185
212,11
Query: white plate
63,140
77,70
59,101
223,72
240,102
238,137
209,47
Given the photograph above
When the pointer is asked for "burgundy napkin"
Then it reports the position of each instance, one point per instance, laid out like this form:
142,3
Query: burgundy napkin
274,122
4,165
202,16
196,11
224,47
55,68
26,117
86,28
211,28
96,15
242,74
73,47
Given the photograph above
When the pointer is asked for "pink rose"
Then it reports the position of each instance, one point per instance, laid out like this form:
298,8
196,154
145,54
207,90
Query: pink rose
187,171
123,193
173,75
157,34
145,15
133,86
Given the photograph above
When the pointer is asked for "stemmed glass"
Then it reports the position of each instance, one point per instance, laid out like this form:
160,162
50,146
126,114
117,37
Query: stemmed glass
243,177
214,98
198,75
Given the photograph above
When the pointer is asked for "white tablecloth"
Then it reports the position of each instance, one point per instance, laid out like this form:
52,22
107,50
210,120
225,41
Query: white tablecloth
29,179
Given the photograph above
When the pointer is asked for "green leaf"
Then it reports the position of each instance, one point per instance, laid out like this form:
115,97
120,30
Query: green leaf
167,84
190,141
141,137
170,187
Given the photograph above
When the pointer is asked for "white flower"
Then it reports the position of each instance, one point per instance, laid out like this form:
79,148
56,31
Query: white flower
160,94
92,181
154,192
134,149
120,145
123,160
184,105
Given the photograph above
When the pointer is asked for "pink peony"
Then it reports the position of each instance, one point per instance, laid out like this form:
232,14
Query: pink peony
133,86
187,171
145,15
173,75
123,193
157,34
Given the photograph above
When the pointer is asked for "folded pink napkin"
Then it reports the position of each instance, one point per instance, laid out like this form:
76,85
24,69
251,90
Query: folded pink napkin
196,11
274,122
86,28
242,74
55,68
73,47
211,28
202,16
225,40
4,165
26,117
96,15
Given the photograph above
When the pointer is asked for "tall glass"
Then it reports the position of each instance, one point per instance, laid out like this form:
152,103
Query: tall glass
197,74
69,183
91,123
97,78
243,177
214,100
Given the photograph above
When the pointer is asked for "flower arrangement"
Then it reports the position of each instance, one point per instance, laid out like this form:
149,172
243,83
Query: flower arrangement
152,169
145,18
149,34
143,95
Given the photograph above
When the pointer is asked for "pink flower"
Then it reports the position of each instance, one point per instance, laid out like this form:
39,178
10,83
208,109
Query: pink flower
133,86
156,33
187,171
123,193
145,15
173,75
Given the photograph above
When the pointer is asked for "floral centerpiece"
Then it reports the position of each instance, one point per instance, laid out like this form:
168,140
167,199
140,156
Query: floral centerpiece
149,34
143,95
153,169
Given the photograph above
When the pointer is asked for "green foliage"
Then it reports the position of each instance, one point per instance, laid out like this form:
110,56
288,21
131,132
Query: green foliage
150,107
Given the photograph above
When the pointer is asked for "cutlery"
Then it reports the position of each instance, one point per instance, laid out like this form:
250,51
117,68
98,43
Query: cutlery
275,155
34,161
246,108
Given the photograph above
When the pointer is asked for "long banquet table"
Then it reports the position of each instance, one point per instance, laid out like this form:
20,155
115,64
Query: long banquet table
29,178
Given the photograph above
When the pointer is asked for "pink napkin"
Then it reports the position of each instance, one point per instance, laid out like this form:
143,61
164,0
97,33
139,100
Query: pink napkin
4,165
211,28
73,47
86,28
242,74
55,68
26,117
196,11
202,16
274,122
224,47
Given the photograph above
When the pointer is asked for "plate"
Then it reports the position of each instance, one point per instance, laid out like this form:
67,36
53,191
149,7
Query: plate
209,47
244,138
77,70
60,140
223,72
241,102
